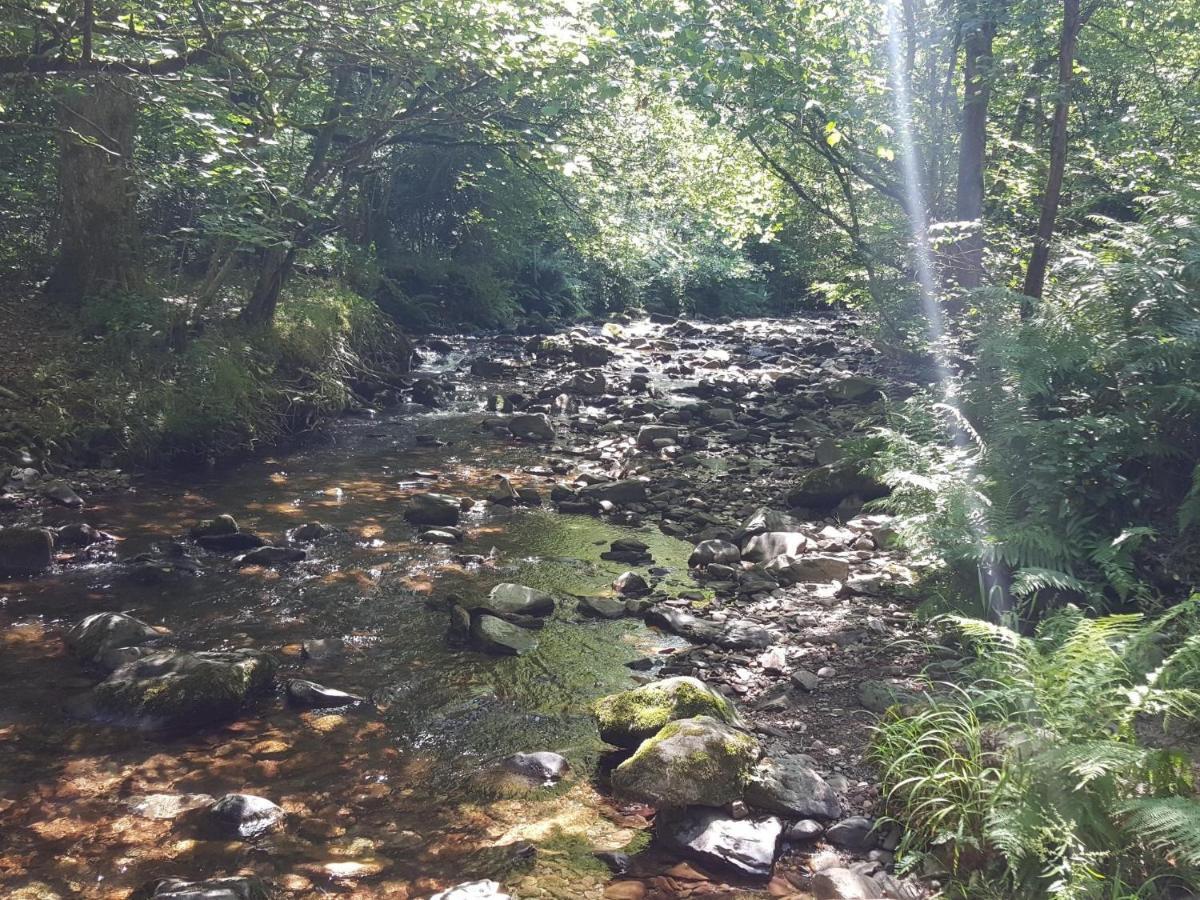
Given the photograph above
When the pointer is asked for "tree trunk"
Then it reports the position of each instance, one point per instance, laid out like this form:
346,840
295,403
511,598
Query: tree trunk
1035,275
100,248
260,309
972,147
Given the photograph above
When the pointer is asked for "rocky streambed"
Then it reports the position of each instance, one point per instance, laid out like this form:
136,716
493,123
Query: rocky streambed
594,614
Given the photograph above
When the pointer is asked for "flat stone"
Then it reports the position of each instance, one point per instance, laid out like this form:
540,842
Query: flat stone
710,836
309,693
497,636
273,556
473,890
433,509
790,787
843,884
237,888
602,607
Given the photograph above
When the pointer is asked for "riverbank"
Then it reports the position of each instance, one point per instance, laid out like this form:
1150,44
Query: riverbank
721,427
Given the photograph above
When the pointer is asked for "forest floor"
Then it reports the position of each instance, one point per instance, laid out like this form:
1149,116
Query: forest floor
669,434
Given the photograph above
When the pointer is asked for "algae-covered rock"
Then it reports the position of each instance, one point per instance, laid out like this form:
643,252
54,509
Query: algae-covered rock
628,718
176,689
699,761
94,636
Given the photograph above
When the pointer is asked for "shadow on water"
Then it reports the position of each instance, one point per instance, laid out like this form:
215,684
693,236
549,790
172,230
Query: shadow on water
388,795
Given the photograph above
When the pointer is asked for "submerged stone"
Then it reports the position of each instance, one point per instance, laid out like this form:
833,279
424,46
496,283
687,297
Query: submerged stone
246,815
497,636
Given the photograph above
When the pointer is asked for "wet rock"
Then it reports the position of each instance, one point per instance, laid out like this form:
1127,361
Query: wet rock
221,525
273,556
630,584
62,494
504,493
602,607
628,550
428,393
720,552
532,427
237,888
689,761
790,787
770,544
174,689
766,519
309,532
321,649
246,815
844,884
236,542
309,693
497,636
631,490
473,890
855,833
629,717
590,354
803,831
826,486
542,767
94,636
433,509
489,368
79,534
617,862
169,806
508,599
440,536
748,846
25,551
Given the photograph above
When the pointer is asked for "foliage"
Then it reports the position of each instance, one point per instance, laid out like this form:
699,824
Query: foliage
1050,768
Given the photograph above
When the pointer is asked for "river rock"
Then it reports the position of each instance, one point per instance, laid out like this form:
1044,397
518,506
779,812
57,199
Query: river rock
602,607
473,890
734,635
827,486
96,635
770,544
441,536
236,888
497,636
273,556
746,845
844,884
689,761
706,553
629,490
790,787
590,354
79,534
542,767
880,696
246,815
630,584
221,525
62,494
650,436
25,551
766,519
504,494
855,833
175,689
236,542
433,509
818,569
532,427
629,717
508,599
854,389
309,532
309,693
587,384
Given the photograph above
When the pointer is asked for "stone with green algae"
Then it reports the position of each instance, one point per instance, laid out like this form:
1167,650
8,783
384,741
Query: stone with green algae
628,718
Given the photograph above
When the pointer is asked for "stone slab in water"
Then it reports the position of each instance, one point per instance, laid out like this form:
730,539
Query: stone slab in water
497,636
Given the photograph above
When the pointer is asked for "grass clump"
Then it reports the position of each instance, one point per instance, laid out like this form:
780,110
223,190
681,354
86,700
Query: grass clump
1058,771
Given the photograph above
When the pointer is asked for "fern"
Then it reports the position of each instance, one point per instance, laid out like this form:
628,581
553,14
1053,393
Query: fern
1168,825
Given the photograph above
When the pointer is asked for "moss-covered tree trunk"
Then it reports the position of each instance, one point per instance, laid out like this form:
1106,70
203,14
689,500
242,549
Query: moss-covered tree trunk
100,248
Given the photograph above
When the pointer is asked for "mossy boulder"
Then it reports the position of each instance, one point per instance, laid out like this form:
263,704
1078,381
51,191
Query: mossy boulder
175,689
628,718
700,761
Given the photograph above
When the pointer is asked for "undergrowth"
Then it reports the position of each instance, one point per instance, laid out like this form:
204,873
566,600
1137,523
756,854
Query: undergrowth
1057,766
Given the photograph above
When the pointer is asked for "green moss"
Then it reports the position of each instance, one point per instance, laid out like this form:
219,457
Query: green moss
632,716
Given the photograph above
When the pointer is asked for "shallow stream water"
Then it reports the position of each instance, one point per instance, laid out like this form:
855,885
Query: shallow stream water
384,800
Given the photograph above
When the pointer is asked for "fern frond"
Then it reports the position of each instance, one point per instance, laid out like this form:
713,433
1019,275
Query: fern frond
1169,825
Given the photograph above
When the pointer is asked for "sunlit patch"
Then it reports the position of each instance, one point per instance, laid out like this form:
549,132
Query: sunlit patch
278,478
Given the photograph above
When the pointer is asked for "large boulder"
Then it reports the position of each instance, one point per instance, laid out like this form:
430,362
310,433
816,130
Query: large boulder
497,636
720,552
531,427
748,845
433,509
827,486
174,689
628,718
25,551
509,599
770,544
766,519
818,568
791,787
95,637
701,761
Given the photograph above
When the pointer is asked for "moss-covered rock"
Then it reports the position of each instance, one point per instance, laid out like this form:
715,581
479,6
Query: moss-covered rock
700,761
628,718
174,689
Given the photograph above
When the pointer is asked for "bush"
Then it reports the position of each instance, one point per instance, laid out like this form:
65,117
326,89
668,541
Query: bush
1054,771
